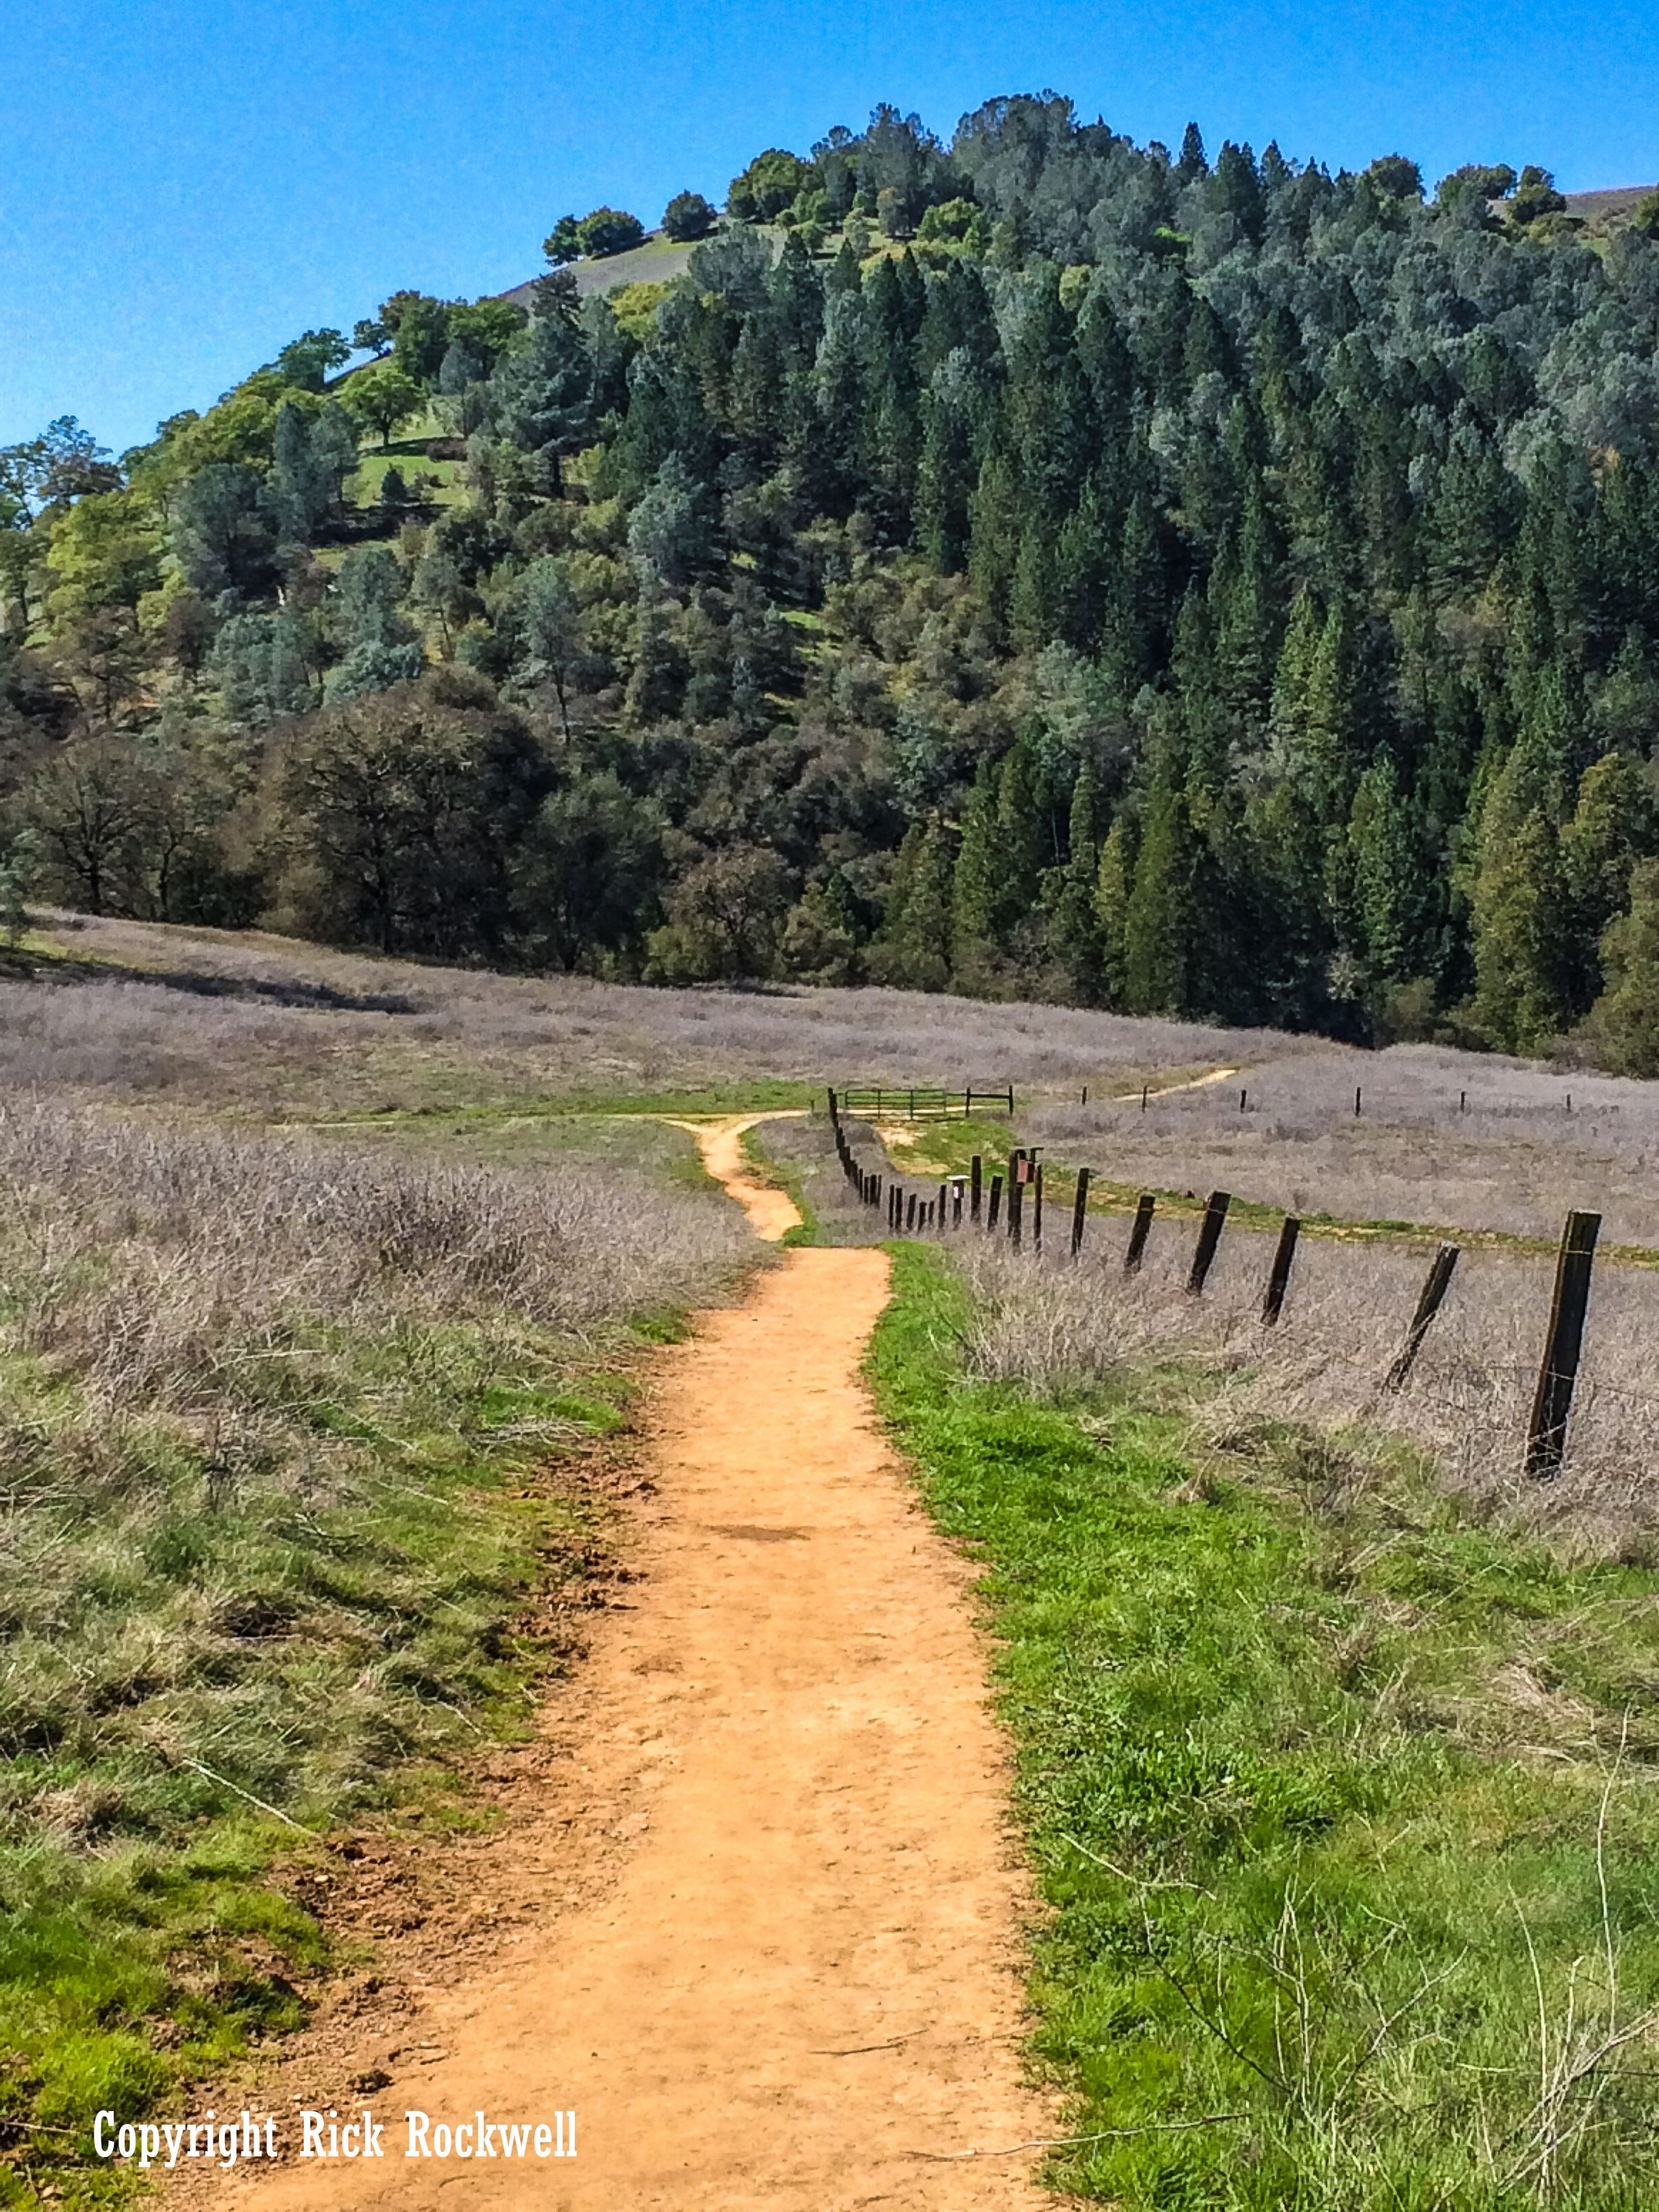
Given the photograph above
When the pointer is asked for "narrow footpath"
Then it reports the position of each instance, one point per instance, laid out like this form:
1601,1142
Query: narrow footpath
790,1980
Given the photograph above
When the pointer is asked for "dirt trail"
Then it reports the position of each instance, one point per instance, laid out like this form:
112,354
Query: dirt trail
772,1213
778,1969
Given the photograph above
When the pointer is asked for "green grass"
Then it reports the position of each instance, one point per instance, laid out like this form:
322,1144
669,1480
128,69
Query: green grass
783,1176
1329,1810
339,1657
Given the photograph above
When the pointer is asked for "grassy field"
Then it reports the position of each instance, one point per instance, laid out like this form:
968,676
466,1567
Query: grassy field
1339,1787
297,1432
320,1273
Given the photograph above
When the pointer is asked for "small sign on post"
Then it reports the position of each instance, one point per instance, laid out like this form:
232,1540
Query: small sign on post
1209,1236
1546,1431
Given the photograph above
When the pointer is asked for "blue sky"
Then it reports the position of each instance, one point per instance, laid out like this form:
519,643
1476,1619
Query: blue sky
188,185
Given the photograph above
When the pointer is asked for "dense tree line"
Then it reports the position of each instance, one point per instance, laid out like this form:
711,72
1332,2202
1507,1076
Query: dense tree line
1038,564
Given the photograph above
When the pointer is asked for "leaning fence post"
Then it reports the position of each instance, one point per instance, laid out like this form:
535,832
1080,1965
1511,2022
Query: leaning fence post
973,1187
995,1206
1079,1207
1143,1222
1546,1431
1278,1281
1428,1306
1209,1235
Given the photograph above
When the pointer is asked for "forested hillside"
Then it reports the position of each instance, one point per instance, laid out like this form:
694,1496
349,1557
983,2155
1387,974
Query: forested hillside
1033,564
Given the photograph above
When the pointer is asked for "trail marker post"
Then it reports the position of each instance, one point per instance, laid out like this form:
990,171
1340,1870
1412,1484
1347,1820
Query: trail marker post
1428,1306
1143,1222
1279,1280
1209,1236
1079,1209
1551,1405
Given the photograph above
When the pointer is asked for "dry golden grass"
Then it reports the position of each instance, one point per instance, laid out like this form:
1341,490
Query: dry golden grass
1054,1326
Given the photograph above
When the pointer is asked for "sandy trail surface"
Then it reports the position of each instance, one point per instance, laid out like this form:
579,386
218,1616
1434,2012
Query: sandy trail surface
761,1932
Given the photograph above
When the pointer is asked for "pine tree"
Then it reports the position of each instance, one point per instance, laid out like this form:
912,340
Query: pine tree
1624,1022
1520,910
913,950
1158,921
1612,829
1112,889
1073,924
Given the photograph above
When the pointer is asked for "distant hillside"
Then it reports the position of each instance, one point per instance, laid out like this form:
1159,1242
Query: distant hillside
1608,211
1030,564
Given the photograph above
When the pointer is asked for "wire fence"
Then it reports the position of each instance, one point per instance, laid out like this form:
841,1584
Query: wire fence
1008,1202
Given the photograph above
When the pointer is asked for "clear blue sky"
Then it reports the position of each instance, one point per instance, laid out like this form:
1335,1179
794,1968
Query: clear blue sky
189,184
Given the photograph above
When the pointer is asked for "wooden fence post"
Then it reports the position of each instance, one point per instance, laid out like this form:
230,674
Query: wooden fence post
1546,1430
1143,1222
1036,1209
1016,1201
1209,1236
1428,1306
942,1190
973,1189
1143,1097
1356,1102
1079,1207
1278,1281
995,1206
956,1202
910,1214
